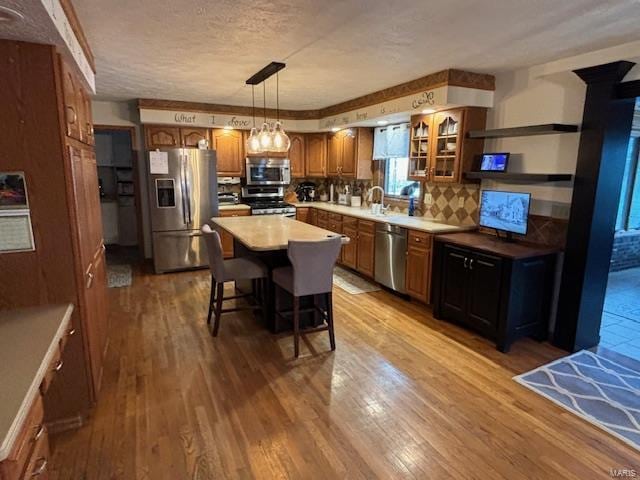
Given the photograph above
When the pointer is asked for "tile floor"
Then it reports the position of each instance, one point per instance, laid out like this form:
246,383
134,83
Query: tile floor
620,329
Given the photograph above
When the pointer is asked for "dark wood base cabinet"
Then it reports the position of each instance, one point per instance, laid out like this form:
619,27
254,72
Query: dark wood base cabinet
500,290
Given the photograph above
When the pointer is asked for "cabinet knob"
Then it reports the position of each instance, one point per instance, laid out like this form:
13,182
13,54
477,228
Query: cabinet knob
471,264
465,262
41,467
72,115
417,240
58,366
39,432
71,332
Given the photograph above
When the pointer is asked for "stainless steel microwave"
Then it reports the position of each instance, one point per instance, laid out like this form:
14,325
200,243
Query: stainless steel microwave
268,171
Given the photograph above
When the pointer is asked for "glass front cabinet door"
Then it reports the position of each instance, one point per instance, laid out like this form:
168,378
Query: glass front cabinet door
446,146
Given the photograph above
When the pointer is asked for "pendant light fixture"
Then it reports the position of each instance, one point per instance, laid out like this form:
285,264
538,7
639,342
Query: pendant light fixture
269,140
265,133
279,138
253,142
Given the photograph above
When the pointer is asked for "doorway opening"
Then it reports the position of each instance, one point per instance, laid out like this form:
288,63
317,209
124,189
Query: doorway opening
620,325
116,158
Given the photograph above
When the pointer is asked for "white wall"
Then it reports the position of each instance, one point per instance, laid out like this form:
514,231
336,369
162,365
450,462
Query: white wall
126,114
524,99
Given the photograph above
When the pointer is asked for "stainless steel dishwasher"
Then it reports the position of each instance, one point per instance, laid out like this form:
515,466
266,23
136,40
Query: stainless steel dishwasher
391,256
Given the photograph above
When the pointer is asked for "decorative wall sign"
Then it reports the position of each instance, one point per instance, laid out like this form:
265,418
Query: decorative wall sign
13,191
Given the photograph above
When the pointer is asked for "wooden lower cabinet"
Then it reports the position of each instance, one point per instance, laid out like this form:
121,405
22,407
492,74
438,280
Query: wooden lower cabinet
418,273
303,214
366,247
350,250
225,237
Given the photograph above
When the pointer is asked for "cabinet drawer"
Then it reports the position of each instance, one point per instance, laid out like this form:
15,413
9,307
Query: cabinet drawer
367,226
336,217
349,221
322,223
54,367
39,459
322,215
420,239
32,431
234,213
335,226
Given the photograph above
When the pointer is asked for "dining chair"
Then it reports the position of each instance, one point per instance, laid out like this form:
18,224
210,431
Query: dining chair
310,273
231,270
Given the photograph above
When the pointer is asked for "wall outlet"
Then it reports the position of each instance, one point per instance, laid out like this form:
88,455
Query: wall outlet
428,199
460,202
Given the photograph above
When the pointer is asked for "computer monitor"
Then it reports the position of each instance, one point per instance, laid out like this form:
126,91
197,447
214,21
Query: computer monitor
505,211
494,162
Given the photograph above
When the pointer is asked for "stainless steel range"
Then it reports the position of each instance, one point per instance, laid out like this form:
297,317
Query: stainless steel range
267,200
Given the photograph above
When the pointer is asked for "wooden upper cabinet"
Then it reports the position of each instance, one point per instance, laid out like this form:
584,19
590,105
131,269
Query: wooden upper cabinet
446,146
72,102
316,155
229,148
350,153
162,137
297,155
334,153
86,118
189,137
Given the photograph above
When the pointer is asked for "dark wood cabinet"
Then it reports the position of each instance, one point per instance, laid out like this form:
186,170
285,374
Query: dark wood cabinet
297,154
316,155
229,147
418,272
501,290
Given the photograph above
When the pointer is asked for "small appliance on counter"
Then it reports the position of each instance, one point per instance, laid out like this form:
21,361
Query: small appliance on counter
345,197
306,191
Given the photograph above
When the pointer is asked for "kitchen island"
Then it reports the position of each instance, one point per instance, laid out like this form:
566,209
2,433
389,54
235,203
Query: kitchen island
266,237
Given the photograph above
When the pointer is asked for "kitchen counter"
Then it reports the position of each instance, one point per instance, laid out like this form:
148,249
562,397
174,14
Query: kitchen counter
29,340
415,223
271,232
234,206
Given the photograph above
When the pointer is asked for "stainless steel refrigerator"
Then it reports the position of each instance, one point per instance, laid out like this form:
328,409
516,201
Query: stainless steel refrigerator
183,197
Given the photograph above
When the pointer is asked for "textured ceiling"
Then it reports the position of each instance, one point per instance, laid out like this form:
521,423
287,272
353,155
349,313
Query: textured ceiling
204,50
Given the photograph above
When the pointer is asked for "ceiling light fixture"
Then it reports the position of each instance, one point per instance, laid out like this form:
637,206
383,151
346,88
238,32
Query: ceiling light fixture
253,142
427,111
335,129
268,139
382,122
9,15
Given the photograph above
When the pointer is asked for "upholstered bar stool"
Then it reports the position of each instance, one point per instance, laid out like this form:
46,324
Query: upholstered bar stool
310,273
230,271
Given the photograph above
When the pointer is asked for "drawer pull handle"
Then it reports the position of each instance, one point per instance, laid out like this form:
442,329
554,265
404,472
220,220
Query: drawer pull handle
417,240
72,332
38,433
73,117
58,366
42,461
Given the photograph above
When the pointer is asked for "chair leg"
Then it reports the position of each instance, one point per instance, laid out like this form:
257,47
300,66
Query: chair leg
263,298
212,298
332,336
219,297
296,326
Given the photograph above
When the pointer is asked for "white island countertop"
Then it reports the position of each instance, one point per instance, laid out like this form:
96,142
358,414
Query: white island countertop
29,339
401,220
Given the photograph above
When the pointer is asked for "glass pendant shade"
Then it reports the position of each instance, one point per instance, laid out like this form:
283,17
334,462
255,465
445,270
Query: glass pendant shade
253,142
281,142
266,144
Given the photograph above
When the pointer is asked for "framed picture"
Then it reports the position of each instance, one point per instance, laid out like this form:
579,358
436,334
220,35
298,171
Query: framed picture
13,191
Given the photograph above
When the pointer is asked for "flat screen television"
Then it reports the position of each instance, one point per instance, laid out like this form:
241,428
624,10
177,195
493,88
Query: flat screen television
505,211
494,162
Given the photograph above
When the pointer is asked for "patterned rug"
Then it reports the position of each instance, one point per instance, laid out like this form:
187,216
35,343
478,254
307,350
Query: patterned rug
602,392
119,276
352,283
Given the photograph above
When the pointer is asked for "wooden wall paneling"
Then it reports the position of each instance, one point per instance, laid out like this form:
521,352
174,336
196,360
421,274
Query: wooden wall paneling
32,99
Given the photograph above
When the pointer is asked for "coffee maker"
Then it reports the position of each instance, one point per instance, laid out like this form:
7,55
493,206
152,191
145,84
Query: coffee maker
306,191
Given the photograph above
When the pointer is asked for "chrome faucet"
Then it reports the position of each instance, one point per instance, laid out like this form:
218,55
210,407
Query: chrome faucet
383,209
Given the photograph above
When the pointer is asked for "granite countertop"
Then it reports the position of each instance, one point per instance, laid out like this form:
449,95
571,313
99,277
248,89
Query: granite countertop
415,223
271,232
234,206
29,338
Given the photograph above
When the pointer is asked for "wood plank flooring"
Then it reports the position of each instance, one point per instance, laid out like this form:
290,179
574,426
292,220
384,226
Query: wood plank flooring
404,396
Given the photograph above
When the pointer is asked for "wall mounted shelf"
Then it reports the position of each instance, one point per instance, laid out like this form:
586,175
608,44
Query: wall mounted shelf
520,177
545,129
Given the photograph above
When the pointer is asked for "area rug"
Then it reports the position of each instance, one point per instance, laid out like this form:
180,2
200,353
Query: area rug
602,392
119,276
352,283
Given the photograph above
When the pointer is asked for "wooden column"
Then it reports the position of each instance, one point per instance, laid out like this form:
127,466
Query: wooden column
604,139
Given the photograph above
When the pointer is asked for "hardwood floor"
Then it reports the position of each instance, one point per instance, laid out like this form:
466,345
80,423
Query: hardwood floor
404,396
